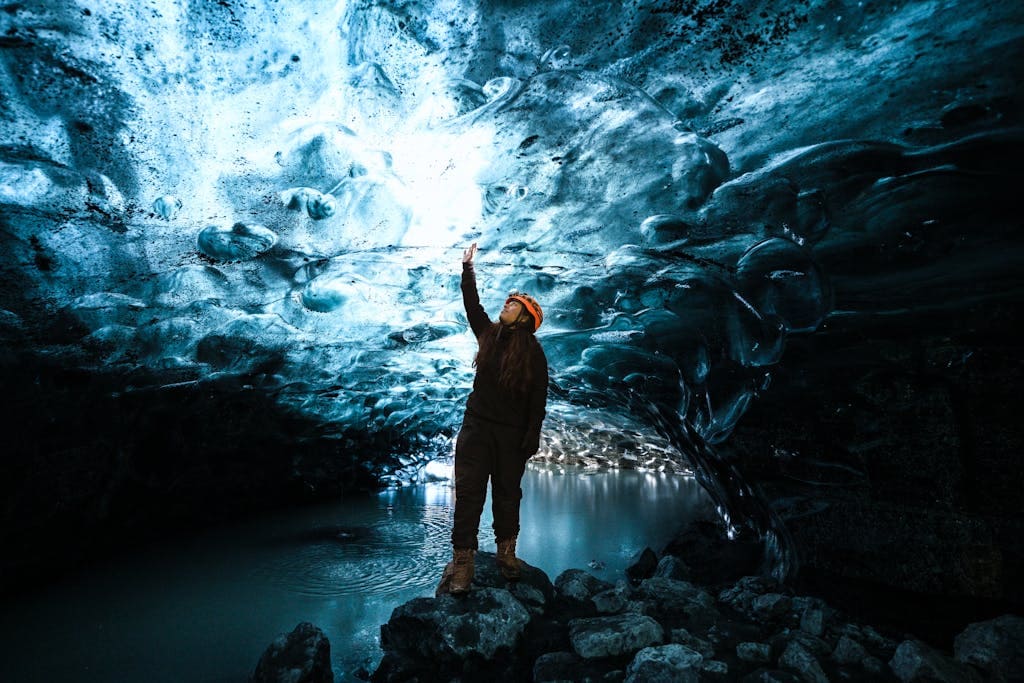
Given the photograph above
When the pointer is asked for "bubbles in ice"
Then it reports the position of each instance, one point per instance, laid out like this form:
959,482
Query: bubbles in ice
663,229
167,206
315,203
698,168
556,57
240,242
501,87
780,277
327,294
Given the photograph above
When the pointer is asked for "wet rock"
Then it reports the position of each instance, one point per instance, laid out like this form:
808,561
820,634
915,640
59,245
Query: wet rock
680,603
771,676
754,652
579,586
848,651
614,635
452,635
813,644
671,567
533,589
672,662
995,646
684,637
813,615
742,595
915,661
613,600
643,565
801,660
714,670
563,667
770,606
711,556
302,656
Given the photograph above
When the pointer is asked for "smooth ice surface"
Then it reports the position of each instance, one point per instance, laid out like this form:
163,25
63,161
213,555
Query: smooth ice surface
204,609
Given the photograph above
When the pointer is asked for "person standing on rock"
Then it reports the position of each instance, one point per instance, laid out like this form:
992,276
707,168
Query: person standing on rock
500,429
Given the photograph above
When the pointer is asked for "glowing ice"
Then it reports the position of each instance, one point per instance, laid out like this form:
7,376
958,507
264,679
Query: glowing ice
240,242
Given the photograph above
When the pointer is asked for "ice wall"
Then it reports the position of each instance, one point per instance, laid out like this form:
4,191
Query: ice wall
280,192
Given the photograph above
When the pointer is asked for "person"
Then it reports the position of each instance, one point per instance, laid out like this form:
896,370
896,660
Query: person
500,429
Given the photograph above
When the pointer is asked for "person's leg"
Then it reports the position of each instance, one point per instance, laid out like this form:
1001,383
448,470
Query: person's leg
506,495
473,465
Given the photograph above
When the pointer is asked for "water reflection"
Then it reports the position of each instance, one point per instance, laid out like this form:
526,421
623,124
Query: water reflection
203,609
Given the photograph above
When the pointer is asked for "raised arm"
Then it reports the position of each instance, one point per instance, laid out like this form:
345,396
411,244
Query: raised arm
478,320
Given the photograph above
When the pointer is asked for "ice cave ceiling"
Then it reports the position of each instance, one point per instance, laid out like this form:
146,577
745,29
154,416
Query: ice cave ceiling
277,194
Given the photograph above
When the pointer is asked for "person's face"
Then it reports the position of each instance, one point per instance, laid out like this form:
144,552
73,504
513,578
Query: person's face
510,312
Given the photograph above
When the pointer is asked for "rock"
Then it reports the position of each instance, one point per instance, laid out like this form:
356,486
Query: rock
771,676
714,669
565,667
711,556
614,635
848,651
643,566
754,652
770,606
684,637
915,661
679,601
302,656
741,596
813,621
667,663
671,567
995,646
613,600
452,628
799,659
579,586
813,644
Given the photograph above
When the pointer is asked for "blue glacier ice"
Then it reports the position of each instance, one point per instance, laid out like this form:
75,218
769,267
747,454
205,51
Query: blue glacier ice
276,195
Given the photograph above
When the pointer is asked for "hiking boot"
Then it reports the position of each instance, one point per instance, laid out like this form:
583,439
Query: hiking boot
509,564
462,570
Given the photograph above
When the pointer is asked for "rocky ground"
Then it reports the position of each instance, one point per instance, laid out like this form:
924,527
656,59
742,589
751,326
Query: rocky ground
662,623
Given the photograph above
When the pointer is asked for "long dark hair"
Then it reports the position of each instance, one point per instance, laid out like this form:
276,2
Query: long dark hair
514,369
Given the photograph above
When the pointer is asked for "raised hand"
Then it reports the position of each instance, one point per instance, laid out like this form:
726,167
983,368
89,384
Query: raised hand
468,254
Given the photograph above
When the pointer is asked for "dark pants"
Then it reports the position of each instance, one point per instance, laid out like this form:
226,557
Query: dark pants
487,450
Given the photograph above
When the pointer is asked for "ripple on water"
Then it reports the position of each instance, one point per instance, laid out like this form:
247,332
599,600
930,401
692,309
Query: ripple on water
384,557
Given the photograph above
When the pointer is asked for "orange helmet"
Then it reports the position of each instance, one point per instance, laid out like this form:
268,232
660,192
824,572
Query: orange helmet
530,305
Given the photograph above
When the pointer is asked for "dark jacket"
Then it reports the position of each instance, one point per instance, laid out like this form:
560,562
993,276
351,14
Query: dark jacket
489,400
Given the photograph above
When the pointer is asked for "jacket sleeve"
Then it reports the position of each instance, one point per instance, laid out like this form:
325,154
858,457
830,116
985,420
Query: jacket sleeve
478,320
537,404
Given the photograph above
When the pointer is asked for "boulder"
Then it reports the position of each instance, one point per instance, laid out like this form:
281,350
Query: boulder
848,651
754,652
799,659
643,566
915,661
670,663
578,586
452,628
995,646
671,567
302,656
679,602
613,636
567,667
